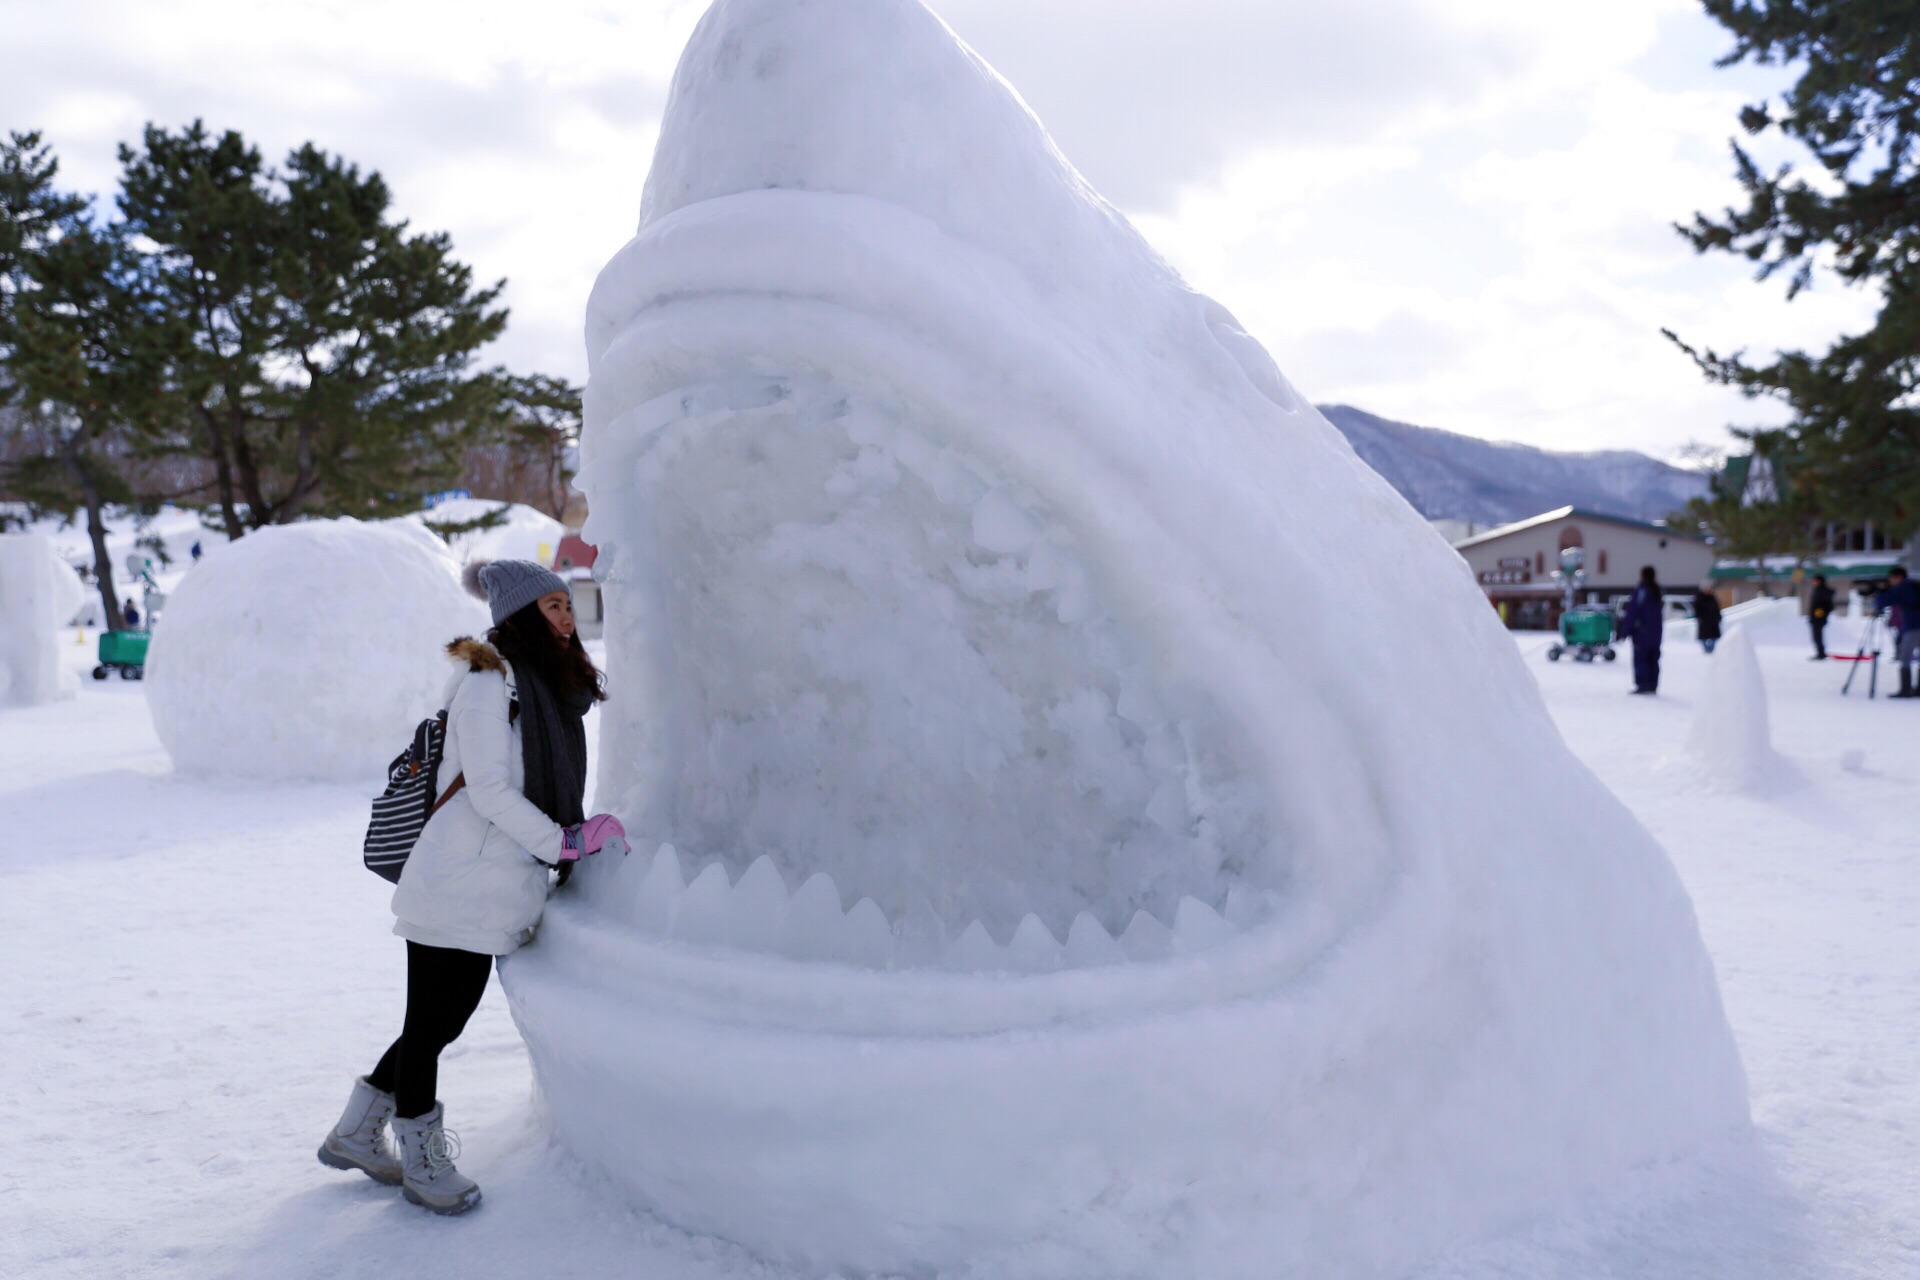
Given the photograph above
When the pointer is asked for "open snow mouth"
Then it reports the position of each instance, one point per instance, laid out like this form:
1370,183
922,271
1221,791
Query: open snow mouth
910,732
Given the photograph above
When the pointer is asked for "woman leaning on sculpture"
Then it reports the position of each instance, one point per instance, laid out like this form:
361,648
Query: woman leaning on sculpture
477,880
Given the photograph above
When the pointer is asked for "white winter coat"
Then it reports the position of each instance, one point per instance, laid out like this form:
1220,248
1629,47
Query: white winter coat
477,878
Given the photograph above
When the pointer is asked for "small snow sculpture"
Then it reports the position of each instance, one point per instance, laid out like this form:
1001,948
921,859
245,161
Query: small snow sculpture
1038,838
1729,735
305,651
39,594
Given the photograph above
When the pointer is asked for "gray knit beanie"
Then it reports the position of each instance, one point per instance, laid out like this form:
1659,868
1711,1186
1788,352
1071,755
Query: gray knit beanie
512,585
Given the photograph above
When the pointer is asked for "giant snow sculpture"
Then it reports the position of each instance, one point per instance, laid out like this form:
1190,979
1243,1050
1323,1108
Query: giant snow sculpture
306,651
39,594
1121,838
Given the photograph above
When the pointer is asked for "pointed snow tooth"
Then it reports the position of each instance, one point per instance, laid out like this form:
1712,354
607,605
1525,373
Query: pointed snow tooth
919,938
702,917
659,893
814,920
1197,926
867,938
759,908
975,951
1033,947
1146,938
1243,908
1088,943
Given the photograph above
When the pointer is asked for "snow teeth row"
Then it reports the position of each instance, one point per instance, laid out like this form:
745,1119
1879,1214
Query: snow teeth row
759,914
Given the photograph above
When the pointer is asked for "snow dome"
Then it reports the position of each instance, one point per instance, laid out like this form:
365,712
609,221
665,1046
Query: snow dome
39,593
306,651
1059,862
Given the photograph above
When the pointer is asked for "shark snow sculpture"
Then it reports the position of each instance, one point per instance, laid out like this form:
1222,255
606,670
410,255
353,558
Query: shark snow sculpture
1120,836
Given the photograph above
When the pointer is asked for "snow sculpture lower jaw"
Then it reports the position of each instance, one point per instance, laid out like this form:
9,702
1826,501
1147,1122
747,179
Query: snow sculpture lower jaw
1079,857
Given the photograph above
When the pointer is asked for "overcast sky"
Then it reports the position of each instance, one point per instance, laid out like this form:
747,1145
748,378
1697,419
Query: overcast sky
1451,212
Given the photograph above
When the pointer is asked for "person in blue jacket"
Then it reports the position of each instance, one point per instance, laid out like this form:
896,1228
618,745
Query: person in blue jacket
1641,623
1901,603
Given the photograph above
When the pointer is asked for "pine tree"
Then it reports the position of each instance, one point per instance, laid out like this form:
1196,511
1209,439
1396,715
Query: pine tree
1852,446
327,353
542,416
82,345
203,207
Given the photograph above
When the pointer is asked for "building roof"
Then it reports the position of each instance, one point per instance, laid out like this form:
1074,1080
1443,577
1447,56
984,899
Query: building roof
1577,513
1752,478
1841,564
576,553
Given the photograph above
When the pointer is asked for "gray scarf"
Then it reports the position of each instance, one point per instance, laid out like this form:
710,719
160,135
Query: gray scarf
553,747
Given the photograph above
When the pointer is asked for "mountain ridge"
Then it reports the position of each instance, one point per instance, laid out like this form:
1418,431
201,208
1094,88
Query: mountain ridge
1449,476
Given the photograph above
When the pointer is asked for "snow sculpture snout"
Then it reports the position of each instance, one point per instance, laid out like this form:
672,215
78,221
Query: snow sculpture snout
1048,826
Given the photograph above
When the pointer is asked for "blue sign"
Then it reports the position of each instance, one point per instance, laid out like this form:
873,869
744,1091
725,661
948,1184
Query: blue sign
446,495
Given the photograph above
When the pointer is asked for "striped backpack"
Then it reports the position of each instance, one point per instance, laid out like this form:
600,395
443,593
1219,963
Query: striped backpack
401,811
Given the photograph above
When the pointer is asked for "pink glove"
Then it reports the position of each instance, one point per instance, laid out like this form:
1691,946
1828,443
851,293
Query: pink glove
602,831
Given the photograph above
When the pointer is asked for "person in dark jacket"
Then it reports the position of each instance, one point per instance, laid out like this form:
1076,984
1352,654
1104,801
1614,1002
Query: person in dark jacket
130,615
1901,603
1706,617
1819,609
1641,623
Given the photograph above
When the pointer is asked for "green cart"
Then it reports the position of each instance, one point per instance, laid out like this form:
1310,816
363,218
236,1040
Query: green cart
1586,632
125,652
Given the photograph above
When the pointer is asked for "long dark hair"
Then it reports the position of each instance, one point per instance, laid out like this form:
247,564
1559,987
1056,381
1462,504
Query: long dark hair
525,640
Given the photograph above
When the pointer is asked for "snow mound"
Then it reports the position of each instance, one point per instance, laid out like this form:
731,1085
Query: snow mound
520,535
1034,865
305,651
1729,735
39,592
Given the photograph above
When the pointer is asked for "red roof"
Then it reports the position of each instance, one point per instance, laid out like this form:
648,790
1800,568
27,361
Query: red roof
575,553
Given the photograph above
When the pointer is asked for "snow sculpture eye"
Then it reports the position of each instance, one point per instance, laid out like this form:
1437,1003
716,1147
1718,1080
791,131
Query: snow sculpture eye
1072,796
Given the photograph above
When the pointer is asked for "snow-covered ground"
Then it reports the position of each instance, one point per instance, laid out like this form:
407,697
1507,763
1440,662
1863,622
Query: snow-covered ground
196,970
1809,899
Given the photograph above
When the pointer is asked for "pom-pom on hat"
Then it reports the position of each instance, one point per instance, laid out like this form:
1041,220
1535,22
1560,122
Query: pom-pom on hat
509,586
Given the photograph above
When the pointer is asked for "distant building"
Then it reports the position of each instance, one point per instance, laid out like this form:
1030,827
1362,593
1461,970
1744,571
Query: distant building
1736,581
1458,531
1514,564
574,561
575,553
1850,557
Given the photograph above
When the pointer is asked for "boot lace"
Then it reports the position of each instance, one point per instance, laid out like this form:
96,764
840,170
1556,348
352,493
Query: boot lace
442,1149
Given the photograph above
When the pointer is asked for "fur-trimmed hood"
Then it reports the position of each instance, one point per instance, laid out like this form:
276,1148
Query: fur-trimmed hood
478,655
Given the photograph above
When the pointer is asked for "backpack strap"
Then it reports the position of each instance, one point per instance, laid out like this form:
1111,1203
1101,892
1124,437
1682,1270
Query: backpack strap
418,755
458,782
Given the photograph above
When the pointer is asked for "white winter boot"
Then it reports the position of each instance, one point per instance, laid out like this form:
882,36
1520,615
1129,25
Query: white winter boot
359,1141
427,1153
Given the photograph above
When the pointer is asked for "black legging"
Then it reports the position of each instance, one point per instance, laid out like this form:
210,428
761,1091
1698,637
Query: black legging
444,987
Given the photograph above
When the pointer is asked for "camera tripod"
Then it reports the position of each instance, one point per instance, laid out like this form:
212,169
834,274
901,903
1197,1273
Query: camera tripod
1869,653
